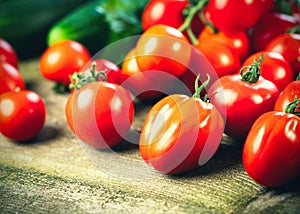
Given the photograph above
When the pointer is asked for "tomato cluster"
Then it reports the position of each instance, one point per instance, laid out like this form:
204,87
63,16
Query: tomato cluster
22,111
251,93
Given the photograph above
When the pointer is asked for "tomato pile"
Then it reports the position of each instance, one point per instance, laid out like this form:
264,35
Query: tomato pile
252,95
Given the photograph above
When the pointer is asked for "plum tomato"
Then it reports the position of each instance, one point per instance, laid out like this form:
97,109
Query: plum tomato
8,53
22,114
62,59
10,78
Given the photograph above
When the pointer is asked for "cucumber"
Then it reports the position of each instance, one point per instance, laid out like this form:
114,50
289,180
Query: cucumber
84,24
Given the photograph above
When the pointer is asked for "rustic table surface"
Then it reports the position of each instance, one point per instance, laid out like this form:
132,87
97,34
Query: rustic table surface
55,173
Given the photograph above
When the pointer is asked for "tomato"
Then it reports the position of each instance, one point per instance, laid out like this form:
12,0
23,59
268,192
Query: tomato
177,134
62,59
223,59
100,113
138,82
10,78
163,48
22,114
288,45
168,12
288,95
272,149
8,53
237,15
274,68
237,41
264,32
242,99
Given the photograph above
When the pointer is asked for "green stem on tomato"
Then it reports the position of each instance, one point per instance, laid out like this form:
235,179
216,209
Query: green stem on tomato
78,80
187,23
253,71
293,107
298,77
200,88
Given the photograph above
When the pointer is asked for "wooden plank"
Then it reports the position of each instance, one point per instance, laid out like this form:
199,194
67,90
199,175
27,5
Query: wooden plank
56,173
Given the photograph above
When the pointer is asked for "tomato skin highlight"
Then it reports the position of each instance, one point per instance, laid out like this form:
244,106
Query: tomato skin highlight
100,114
10,78
177,134
272,149
242,102
22,114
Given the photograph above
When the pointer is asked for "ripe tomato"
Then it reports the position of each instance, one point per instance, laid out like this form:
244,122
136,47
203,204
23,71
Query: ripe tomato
223,60
62,59
8,54
274,68
288,45
237,15
272,149
22,114
237,41
177,134
264,32
288,95
10,78
242,101
163,48
100,113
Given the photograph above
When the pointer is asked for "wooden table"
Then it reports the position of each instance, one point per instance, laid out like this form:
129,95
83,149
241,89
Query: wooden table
55,173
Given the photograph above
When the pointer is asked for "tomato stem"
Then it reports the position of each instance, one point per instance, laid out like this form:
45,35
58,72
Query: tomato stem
78,80
253,71
200,88
293,107
187,23
298,77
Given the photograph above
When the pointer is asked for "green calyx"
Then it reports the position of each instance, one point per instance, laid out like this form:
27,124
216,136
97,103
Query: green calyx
298,77
200,88
78,80
293,107
253,71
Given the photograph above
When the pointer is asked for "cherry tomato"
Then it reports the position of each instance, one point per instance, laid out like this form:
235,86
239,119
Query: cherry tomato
264,32
288,45
176,136
222,58
274,68
288,95
237,41
100,113
242,99
272,149
237,15
22,114
8,54
163,48
10,78
62,59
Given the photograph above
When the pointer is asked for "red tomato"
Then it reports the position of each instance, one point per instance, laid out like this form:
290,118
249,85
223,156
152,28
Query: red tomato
237,41
268,27
10,78
100,114
274,68
272,149
223,60
176,136
237,15
62,59
163,48
8,54
288,45
22,114
288,95
242,102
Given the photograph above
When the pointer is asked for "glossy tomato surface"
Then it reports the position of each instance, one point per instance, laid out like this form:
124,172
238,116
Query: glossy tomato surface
242,102
176,136
100,114
8,53
272,149
22,114
62,59
10,78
